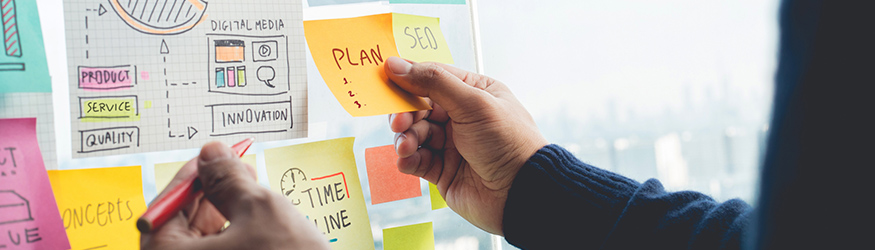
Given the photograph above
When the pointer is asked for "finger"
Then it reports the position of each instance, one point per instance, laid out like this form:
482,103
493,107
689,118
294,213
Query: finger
175,230
206,219
443,84
401,122
422,133
423,163
227,183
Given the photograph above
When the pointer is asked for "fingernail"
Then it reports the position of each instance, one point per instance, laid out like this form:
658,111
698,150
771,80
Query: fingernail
399,66
391,117
399,138
214,151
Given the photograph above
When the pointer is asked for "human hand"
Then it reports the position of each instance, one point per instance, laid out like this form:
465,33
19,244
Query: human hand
471,144
260,219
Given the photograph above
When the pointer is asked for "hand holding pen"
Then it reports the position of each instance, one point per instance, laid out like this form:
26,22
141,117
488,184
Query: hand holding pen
260,219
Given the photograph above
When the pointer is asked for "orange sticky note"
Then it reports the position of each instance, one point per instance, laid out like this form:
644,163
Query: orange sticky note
350,54
386,182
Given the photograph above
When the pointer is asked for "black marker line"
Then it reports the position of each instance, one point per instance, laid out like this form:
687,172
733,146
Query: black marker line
172,7
144,9
249,36
162,12
95,247
241,104
179,12
135,7
154,7
101,150
251,132
248,94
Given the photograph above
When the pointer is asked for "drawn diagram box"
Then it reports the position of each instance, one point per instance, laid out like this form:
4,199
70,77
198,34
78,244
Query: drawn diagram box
13,208
147,69
108,139
107,78
251,118
109,108
264,51
234,68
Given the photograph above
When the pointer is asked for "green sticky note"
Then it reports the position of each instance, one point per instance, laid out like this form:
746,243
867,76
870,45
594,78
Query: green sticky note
437,201
419,38
429,1
412,237
23,66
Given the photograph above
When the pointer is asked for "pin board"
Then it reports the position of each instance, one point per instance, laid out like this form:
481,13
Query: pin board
111,84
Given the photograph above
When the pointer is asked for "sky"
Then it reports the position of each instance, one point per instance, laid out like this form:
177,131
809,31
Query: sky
581,54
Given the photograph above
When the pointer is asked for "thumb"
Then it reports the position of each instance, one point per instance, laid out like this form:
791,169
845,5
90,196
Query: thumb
227,182
441,83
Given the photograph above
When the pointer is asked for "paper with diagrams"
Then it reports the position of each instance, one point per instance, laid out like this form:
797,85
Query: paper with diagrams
154,75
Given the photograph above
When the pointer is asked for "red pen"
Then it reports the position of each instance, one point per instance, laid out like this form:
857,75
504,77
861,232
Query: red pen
180,196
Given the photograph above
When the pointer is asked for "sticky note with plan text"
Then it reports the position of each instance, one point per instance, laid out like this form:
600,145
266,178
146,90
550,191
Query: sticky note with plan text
350,54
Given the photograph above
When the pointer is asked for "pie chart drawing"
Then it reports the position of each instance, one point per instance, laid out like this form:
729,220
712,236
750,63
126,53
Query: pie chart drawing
161,17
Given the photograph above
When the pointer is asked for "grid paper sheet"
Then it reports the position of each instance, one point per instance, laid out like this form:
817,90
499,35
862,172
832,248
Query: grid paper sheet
39,105
156,75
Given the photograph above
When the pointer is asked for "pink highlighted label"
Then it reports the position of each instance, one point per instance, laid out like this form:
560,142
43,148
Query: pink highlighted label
107,78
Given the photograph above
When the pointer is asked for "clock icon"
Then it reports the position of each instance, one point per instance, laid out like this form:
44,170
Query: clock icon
292,178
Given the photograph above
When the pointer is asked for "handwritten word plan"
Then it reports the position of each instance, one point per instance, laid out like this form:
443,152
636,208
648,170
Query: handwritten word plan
320,179
350,54
171,74
29,216
100,206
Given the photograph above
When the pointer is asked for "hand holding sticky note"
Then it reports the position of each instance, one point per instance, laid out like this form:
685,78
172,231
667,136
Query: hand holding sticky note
350,54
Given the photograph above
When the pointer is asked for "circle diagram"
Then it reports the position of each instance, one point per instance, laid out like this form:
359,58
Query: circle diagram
161,17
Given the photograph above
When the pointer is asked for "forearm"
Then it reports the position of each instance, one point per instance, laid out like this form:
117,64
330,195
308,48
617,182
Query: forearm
557,201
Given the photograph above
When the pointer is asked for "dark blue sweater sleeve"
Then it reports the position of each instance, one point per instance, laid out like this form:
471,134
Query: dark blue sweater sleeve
559,202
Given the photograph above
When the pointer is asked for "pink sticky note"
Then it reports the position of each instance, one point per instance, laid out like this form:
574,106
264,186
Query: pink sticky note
29,217
386,182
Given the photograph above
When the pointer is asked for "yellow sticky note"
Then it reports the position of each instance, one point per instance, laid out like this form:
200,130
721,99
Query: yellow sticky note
100,206
412,237
419,38
350,54
321,180
164,172
437,201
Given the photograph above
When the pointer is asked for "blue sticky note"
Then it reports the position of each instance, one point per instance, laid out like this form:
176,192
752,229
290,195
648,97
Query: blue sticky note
429,1
23,66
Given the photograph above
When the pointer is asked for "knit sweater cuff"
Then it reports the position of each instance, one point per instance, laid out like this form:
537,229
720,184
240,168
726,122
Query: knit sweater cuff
557,200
